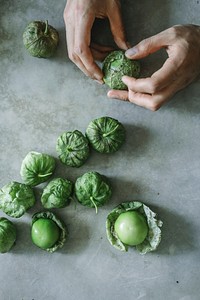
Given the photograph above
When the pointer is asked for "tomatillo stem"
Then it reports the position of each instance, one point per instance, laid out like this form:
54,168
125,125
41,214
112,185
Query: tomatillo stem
46,27
96,209
110,132
44,175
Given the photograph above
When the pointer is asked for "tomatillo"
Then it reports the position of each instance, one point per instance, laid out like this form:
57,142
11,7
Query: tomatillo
131,228
45,233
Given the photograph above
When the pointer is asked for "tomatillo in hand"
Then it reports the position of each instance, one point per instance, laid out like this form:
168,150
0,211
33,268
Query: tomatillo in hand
45,233
131,228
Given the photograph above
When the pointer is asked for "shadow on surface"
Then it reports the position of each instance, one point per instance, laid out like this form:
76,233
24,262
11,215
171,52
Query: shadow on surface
61,54
137,140
78,237
124,190
177,233
24,243
187,101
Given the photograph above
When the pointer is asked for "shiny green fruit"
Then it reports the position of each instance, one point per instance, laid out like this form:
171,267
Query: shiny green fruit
45,233
131,228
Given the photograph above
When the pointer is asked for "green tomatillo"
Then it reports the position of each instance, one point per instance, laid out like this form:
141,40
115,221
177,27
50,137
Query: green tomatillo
45,233
37,168
116,65
133,224
106,134
7,235
72,148
48,232
92,189
131,228
16,198
40,39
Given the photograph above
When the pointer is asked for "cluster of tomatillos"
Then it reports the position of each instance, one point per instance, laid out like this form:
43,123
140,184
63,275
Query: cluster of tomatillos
129,224
92,189
41,40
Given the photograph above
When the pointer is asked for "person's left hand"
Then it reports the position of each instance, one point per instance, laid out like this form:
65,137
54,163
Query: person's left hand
182,43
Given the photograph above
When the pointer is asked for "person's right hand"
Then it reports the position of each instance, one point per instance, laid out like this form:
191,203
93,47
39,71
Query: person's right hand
79,16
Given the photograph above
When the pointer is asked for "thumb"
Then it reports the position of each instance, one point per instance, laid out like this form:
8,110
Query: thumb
146,47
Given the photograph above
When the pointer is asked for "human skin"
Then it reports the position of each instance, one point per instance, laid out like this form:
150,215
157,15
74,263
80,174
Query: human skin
182,44
79,16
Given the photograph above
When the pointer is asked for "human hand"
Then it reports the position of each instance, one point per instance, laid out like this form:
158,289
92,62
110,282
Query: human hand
79,16
182,44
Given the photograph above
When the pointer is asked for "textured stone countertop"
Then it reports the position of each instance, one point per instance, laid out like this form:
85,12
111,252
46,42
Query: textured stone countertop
159,164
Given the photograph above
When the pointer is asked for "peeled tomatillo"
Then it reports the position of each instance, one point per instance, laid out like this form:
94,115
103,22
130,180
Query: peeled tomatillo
45,233
131,228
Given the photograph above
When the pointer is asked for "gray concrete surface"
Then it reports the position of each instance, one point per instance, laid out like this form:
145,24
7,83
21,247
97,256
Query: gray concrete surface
159,164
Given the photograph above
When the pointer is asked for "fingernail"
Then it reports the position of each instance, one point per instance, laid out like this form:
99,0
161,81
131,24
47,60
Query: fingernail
98,77
99,81
131,52
124,79
109,94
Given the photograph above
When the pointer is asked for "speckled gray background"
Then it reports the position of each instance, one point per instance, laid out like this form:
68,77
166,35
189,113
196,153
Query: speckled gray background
159,164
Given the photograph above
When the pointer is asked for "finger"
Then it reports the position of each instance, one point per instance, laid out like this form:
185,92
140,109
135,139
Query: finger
70,48
149,45
99,52
144,100
70,31
165,76
151,102
117,27
101,48
98,55
81,46
118,94
155,101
